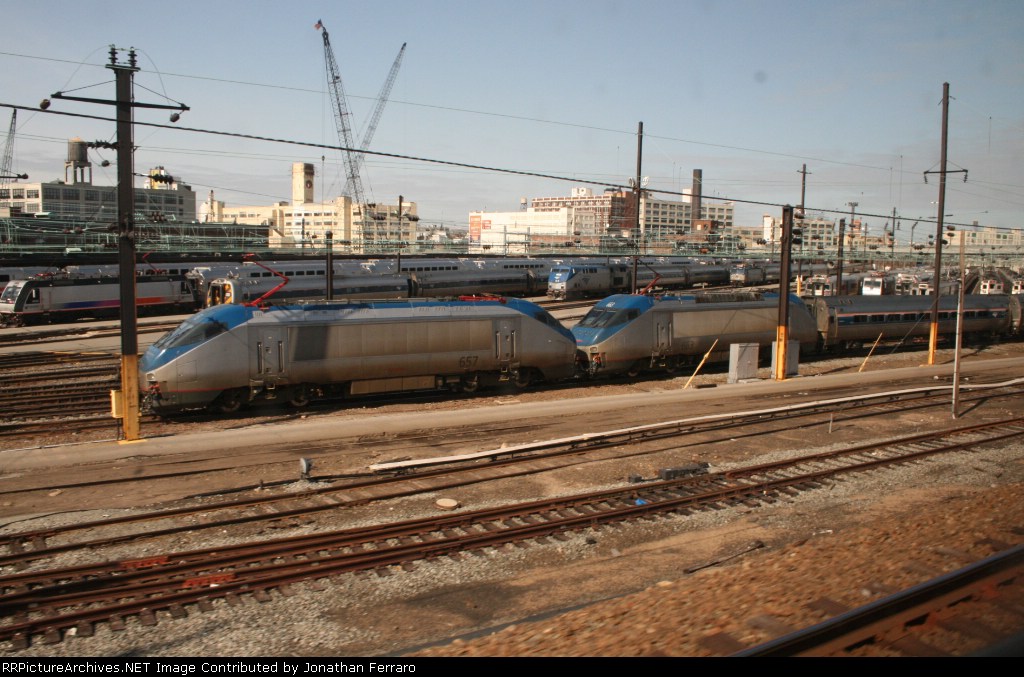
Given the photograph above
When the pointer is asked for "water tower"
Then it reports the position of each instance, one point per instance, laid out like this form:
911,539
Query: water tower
78,162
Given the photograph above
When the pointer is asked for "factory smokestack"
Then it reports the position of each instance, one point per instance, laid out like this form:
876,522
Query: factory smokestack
695,213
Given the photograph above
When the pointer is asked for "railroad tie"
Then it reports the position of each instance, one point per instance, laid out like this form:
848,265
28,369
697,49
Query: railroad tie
19,641
770,624
968,627
721,644
827,607
916,648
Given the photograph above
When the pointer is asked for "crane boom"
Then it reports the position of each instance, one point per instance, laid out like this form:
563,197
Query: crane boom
5,162
382,99
342,120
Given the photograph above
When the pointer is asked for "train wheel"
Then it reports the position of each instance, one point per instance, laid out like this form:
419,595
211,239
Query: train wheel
229,401
300,399
634,370
523,379
470,385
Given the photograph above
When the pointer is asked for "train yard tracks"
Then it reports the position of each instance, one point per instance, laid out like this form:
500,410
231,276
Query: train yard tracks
401,479
38,336
46,603
41,390
956,604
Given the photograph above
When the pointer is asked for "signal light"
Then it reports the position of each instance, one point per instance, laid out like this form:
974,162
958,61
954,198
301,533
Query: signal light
796,235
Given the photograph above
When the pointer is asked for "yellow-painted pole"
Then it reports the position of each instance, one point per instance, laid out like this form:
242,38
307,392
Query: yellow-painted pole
870,352
780,353
695,371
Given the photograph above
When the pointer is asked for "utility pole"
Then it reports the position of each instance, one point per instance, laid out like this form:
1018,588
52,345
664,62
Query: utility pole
803,194
933,336
638,190
399,246
892,242
790,236
959,328
329,240
123,76
125,103
839,263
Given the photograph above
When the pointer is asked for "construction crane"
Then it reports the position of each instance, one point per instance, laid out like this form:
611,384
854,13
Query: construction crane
382,99
342,118
5,162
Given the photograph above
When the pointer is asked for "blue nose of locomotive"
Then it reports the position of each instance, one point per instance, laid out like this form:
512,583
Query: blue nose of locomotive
194,331
610,316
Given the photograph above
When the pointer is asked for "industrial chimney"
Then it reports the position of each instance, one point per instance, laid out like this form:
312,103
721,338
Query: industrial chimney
695,213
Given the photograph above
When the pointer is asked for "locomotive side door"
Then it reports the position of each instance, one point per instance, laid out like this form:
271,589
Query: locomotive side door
269,360
505,348
663,334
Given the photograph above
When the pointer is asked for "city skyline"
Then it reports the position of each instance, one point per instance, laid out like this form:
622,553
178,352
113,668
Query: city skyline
544,90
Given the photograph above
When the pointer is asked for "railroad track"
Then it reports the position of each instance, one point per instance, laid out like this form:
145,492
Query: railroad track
41,390
46,603
443,473
908,622
37,336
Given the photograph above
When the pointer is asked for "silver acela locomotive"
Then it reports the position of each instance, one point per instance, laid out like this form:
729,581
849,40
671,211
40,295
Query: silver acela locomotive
228,355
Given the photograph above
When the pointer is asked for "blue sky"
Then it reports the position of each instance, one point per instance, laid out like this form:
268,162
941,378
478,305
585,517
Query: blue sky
745,90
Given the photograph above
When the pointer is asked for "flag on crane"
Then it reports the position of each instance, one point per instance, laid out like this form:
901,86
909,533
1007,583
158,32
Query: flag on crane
319,24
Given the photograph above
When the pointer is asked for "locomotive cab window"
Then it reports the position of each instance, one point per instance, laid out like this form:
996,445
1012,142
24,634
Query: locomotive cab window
10,293
600,317
191,332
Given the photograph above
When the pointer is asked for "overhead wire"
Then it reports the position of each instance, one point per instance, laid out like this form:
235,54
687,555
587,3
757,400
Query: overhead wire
456,164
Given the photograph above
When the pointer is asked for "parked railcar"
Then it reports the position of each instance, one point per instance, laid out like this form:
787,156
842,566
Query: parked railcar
573,281
851,321
226,356
591,279
708,275
829,285
878,284
514,282
250,289
991,285
43,300
633,333
747,274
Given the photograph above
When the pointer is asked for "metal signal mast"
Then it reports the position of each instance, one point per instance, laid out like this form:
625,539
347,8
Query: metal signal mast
342,117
